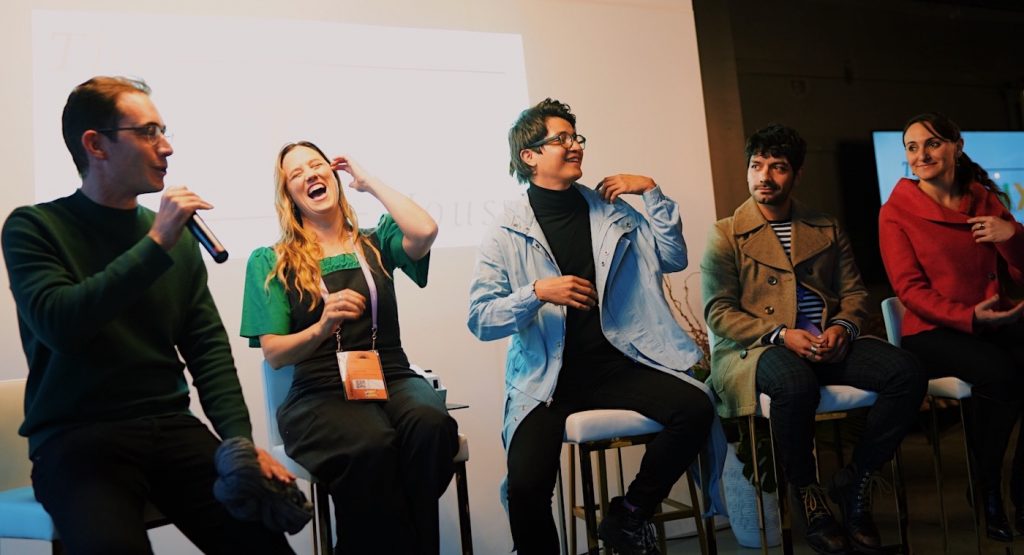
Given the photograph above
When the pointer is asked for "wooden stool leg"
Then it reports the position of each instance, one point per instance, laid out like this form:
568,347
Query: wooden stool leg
705,506
759,499
572,499
698,519
561,509
322,502
602,482
589,502
462,489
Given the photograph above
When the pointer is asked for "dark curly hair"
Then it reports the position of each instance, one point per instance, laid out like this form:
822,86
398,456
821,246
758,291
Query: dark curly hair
778,141
530,128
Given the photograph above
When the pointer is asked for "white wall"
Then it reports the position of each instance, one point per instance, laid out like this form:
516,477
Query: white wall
629,69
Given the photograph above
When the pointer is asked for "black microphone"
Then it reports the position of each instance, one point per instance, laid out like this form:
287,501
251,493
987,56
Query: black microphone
206,238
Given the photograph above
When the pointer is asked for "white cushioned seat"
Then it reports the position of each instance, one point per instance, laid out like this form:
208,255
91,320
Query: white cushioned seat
949,387
833,398
598,424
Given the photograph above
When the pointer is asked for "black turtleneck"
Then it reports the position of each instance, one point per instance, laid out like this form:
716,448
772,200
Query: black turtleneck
564,217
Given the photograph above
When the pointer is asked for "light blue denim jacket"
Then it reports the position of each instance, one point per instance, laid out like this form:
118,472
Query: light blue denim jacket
630,255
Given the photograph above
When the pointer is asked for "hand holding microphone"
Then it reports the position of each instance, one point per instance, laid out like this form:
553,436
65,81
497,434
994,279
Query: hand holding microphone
178,207
206,238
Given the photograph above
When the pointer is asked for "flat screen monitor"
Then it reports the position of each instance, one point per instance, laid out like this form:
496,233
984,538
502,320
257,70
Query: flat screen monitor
1001,153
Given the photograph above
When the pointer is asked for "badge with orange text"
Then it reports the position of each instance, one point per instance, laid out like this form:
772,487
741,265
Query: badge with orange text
362,375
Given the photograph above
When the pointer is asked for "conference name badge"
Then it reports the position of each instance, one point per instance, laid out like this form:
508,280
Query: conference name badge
362,375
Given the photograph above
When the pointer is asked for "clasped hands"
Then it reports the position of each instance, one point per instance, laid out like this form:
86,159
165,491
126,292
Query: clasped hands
831,346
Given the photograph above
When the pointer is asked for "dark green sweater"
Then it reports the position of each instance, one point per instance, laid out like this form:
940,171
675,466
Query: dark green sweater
104,313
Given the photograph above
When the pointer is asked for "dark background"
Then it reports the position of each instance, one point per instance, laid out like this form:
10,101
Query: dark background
836,70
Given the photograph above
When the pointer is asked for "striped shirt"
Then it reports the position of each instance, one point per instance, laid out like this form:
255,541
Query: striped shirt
809,304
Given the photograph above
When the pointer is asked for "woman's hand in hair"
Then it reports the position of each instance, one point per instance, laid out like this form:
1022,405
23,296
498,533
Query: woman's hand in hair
991,229
361,181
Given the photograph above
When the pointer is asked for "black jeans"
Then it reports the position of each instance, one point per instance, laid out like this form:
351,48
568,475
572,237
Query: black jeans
993,362
95,480
386,464
534,453
793,384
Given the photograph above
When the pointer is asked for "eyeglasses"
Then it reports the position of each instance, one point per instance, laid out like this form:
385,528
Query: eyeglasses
564,139
151,132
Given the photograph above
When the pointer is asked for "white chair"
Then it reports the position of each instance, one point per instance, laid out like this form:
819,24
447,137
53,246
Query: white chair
943,388
276,384
834,404
21,516
595,431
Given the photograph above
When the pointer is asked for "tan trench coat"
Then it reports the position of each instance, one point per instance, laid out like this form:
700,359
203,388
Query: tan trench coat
749,288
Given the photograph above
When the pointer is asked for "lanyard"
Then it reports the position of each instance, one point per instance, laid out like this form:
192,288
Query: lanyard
373,298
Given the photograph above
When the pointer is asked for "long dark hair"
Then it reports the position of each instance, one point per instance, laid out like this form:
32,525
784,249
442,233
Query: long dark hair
967,170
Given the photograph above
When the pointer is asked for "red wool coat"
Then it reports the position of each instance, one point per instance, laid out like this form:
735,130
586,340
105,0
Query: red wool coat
934,265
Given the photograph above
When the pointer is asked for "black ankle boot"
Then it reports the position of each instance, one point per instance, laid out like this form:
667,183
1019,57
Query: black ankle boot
851,490
824,535
628,532
997,527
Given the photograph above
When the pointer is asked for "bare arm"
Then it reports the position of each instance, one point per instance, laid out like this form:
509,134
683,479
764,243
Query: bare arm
418,228
282,350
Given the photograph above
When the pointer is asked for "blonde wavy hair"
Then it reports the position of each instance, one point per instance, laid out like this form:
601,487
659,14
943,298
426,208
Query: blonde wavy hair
297,249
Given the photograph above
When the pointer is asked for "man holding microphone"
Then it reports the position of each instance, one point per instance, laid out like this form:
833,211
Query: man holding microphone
113,304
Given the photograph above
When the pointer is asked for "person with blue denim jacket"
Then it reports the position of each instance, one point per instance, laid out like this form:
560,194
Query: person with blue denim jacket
574,276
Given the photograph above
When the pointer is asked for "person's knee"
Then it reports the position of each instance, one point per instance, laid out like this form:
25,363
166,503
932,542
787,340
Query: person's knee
779,367
783,377
430,418
997,380
433,426
377,450
694,410
906,371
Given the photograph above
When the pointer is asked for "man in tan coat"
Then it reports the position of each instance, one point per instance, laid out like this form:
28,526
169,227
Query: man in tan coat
783,295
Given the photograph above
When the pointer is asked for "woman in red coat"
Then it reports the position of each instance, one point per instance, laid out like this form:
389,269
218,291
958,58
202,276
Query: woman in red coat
952,251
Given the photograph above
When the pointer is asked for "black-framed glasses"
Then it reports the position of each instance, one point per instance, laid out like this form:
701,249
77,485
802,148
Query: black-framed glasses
565,140
151,132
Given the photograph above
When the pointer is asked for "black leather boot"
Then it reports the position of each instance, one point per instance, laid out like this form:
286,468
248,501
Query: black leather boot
851,489
997,527
628,532
824,535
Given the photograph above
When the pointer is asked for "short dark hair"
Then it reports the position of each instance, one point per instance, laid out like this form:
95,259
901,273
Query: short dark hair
778,141
93,105
530,128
